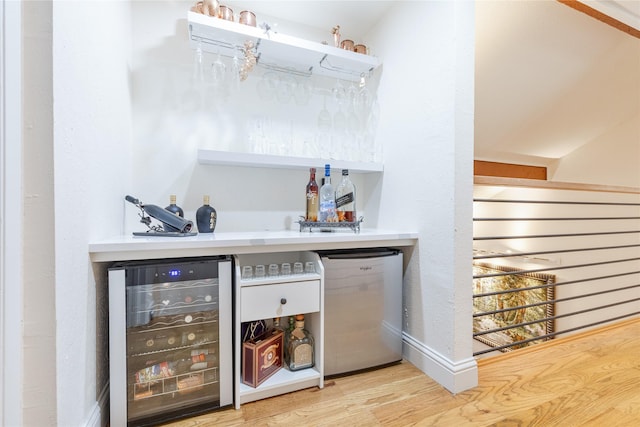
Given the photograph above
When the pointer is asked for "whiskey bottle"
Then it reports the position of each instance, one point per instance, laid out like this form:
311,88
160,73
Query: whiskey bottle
175,209
346,199
206,217
300,354
327,199
312,196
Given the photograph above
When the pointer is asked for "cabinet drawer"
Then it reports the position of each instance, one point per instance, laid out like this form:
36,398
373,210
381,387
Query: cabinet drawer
264,301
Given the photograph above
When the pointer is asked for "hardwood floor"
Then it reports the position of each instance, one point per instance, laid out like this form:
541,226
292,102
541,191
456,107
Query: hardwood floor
589,380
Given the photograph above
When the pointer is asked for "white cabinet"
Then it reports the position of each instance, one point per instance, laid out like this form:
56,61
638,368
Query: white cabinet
279,299
279,296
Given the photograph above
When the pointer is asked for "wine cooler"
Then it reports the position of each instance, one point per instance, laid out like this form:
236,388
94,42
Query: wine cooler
170,339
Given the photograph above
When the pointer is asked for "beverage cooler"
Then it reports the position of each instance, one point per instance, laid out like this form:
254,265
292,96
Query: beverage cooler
170,339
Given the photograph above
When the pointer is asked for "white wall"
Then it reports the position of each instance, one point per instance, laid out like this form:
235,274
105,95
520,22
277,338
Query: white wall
426,96
11,211
39,326
92,158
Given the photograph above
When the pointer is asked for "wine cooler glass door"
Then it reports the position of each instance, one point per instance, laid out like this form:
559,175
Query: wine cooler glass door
175,339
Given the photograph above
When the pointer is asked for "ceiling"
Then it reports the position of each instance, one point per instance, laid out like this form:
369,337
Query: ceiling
549,79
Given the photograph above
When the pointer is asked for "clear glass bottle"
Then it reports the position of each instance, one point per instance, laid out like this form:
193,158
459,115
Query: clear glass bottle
206,217
312,196
300,348
346,199
173,208
327,199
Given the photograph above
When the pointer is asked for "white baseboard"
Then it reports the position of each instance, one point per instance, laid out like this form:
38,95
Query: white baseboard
455,376
99,414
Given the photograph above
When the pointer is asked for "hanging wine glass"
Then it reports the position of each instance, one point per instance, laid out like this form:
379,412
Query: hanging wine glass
218,70
364,98
191,98
302,92
324,118
234,74
339,121
339,93
198,66
267,86
285,89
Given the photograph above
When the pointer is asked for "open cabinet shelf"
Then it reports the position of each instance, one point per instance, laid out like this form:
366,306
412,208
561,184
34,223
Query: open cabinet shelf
225,158
279,51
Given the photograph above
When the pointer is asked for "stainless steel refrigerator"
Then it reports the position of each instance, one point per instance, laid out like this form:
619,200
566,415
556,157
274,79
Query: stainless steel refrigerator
363,309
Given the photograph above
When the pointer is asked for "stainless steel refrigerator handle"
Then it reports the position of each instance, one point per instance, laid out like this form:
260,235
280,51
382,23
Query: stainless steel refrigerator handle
359,255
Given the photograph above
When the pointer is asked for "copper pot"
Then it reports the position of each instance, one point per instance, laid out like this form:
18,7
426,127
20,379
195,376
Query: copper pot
247,18
226,13
347,45
360,48
211,7
198,8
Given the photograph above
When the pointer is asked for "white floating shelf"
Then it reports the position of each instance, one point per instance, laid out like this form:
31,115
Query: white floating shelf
278,50
225,158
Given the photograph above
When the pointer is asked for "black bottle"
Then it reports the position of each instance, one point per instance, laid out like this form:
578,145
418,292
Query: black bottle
206,217
173,208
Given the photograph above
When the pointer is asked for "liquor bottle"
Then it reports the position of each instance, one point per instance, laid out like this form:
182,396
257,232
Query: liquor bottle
206,217
287,333
312,196
346,199
277,326
175,209
300,354
327,199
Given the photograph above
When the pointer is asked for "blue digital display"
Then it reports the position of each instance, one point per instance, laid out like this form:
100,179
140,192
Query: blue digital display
174,273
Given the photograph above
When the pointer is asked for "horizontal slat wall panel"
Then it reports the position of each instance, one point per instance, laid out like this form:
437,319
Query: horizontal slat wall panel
589,240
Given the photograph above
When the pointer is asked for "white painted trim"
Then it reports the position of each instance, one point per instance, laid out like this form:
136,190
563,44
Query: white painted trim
100,408
454,376
11,346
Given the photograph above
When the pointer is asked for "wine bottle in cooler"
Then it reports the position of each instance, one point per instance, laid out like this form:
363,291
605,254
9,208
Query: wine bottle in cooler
312,196
346,199
327,211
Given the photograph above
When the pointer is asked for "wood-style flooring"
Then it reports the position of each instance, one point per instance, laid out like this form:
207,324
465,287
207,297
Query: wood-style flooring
588,380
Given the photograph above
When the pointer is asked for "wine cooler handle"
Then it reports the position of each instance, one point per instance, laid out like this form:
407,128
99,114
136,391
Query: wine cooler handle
283,301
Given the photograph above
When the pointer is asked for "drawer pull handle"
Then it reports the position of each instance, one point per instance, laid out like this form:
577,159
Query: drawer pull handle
283,301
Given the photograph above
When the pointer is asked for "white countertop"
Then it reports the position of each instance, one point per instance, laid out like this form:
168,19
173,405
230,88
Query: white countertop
121,248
